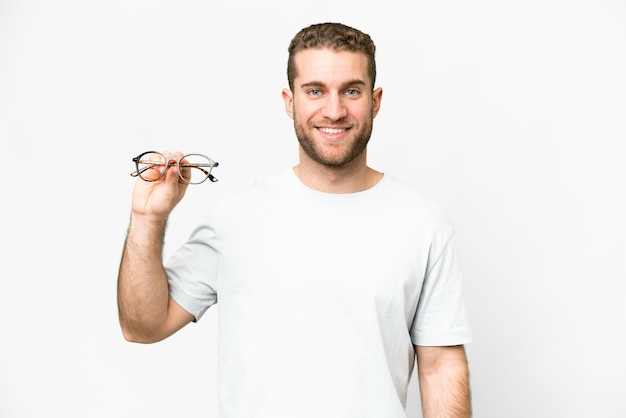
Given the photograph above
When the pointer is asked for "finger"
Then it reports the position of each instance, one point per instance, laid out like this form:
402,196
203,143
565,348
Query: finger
181,173
184,170
170,191
170,165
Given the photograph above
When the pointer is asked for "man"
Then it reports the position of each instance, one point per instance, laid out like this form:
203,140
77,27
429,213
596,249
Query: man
330,276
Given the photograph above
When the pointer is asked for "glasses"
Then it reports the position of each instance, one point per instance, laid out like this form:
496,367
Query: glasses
192,168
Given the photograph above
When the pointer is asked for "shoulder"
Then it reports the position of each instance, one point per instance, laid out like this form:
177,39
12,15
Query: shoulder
408,200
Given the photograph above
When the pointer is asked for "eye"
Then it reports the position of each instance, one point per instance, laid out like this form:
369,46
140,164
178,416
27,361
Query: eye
315,92
352,92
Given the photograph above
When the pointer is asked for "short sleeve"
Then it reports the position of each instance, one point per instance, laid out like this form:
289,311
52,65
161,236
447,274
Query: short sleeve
441,318
192,271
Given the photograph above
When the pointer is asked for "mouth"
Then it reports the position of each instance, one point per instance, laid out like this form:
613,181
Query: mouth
334,134
332,131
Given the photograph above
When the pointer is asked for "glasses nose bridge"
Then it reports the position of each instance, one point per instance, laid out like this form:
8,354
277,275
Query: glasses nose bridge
173,162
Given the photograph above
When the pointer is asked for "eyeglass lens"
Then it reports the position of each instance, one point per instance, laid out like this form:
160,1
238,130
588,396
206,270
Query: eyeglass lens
195,168
151,166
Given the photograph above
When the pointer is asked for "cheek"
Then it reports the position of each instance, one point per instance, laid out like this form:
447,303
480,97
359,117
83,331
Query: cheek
304,112
361,112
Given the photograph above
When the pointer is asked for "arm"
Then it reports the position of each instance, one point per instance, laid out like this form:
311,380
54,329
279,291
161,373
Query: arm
444,382
146,311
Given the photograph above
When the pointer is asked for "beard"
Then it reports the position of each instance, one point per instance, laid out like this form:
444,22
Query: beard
333,155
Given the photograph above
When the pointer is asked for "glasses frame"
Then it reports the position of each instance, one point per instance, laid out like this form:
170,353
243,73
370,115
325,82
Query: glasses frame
171,162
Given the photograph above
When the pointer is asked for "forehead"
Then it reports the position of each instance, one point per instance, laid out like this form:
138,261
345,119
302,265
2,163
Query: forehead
328,66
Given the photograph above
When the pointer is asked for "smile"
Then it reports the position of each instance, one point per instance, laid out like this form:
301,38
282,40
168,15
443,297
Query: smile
332,131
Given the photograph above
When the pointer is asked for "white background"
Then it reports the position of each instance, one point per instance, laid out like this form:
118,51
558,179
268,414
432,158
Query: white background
510,113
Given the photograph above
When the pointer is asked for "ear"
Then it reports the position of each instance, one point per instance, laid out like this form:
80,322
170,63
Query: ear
377,97
288,99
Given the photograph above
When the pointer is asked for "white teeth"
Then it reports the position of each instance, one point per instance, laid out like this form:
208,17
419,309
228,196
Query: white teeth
332,130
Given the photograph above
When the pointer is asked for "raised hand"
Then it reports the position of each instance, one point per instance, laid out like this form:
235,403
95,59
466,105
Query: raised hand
157,197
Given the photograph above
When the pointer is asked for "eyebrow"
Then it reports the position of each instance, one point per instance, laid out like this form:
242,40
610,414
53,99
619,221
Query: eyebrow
347,84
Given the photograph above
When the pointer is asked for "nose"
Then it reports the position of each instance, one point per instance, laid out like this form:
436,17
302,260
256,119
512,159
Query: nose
334,108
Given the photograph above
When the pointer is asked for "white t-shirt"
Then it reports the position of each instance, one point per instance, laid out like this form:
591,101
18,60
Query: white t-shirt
322,296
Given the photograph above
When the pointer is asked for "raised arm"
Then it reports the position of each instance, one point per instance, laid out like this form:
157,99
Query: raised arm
146,312
444,382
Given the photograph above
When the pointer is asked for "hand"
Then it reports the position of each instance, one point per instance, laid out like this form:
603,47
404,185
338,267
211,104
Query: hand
157,199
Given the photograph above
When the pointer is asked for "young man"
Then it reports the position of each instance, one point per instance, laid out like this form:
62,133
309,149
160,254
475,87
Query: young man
330,276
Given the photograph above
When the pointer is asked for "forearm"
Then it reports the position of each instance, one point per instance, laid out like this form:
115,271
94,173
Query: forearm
142,285
444,385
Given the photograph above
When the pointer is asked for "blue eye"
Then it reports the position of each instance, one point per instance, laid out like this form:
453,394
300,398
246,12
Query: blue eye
315,92
352,92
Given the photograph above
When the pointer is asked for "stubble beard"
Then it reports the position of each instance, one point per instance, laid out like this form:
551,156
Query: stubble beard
337,157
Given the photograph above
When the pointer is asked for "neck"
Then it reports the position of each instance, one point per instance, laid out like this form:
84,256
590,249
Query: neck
353,177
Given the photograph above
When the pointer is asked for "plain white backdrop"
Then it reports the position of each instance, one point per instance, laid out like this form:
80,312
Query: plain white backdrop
512,114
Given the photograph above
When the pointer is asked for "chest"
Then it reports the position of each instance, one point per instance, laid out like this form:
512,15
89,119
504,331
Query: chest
339,258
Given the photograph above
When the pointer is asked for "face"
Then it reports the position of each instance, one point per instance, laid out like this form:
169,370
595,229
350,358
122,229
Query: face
332,105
